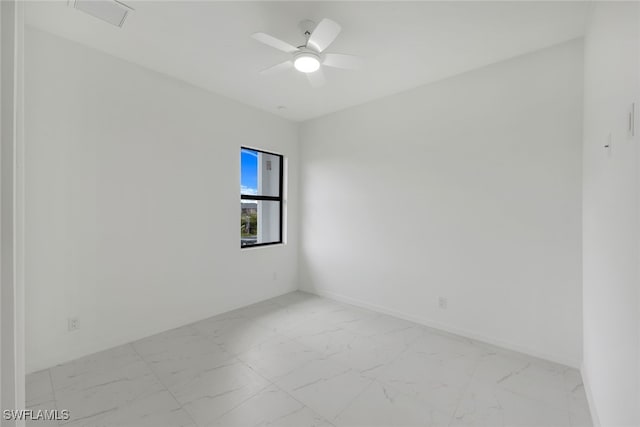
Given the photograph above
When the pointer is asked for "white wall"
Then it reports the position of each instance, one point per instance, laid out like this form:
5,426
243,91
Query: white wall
469,188
133,202
611,234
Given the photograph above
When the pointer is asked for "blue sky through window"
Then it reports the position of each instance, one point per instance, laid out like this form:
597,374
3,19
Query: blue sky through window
248,171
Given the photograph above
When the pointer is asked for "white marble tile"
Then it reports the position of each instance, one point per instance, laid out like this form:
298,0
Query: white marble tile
378,324
490,404
81,371
383,406
38,388
572,379
45,406
235,337
158,409
307,302
301,360
254,311
174,343
321,315
372,354
265,408
329,313
493,368
284,320
324,385
580,418
274,408
448,351
402,337
426,377
309,325
366,354
578,405
523,411
304,417
478,413
538,384
278,356
510,388
310,318
180,354
295,297
40,397
220,324
217,325
347,314
311,372
107,391
329,341
216,391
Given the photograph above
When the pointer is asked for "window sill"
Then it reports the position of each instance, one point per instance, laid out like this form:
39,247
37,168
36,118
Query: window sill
268,245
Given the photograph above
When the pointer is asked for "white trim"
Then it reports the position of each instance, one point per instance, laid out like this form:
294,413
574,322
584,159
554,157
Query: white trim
3,375
11,261
446,328
592,404
19,214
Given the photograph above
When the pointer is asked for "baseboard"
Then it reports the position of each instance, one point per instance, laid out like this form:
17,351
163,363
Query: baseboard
587,390
447,328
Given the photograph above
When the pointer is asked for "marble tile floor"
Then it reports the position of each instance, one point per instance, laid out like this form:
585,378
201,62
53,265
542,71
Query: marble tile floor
300,360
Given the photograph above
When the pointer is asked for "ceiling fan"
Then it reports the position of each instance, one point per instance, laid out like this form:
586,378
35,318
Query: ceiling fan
310,57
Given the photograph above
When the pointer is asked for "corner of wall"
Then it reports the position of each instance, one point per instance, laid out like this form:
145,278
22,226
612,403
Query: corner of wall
587,389
299,258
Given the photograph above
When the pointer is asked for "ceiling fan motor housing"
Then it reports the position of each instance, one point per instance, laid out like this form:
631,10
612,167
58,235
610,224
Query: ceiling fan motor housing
307,26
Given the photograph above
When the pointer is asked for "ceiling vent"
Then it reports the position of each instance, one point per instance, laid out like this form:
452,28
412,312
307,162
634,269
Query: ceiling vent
111,11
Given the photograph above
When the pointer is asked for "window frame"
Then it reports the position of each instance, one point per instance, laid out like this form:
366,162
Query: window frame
279,198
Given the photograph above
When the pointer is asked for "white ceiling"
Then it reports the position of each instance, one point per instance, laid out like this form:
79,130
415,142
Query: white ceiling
404,44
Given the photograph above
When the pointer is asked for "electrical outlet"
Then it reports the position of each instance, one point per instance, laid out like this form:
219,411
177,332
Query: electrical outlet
275,276
73,323
608,143
442,303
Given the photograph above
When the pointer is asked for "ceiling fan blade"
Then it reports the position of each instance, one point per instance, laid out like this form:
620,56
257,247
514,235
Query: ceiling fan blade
274,42
277,68
324,34
316,78
339,60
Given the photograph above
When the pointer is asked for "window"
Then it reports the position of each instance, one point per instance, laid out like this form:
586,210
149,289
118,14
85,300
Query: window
260,198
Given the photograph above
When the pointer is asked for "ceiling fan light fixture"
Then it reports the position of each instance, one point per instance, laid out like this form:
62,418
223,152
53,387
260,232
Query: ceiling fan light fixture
306,62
